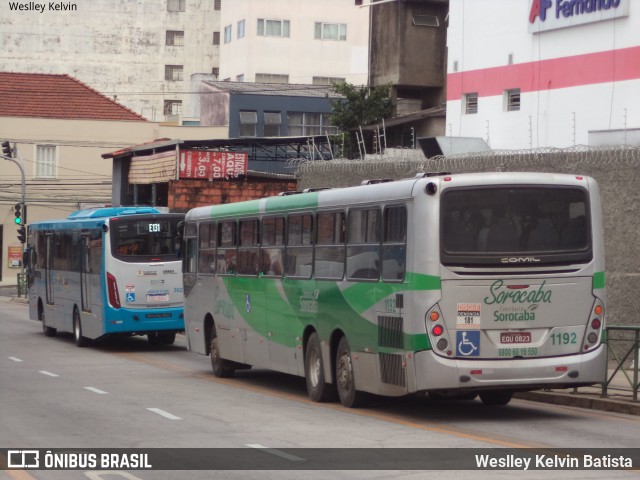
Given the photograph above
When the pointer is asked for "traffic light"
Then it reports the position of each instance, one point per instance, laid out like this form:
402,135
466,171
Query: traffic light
22,234
18,213
6,149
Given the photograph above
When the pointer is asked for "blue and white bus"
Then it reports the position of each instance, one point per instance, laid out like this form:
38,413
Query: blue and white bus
107,271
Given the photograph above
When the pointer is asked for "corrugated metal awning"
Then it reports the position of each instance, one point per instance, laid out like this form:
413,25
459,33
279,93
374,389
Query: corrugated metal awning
156,168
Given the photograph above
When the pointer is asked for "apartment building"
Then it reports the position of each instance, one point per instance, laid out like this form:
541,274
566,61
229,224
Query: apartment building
146,55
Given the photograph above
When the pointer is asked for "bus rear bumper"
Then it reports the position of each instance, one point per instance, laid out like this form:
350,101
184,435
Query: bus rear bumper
129,320
514,374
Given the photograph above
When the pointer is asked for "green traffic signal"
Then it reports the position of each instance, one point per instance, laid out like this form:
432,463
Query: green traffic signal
18,221
18,214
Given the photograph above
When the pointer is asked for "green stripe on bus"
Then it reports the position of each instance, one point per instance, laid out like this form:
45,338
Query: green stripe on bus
598,280
303,201
363,295
251,207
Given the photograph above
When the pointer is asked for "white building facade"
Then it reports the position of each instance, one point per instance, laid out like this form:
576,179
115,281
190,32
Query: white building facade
141,53
542,73
294,41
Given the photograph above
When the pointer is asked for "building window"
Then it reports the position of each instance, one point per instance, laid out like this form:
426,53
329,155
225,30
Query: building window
309,123
215,71
172,107
216,38
426,21
240,78
227,34
217,4
327,80
271,78
248,124
470,103
240,33
331,31
273,28
175,38
175,5
455,65
46,164
173,73
272,122
512,100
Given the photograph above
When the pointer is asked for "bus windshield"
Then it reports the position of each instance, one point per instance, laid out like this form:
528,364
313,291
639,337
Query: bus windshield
490,221
134,240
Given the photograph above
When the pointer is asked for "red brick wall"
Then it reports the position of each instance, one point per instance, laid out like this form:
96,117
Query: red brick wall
187,194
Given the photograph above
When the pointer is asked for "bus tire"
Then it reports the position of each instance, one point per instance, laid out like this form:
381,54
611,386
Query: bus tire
168,338
345,379
77,330
221,368
48,331
498,397
317,387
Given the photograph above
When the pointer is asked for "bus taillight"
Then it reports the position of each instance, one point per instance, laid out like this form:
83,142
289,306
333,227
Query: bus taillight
112,287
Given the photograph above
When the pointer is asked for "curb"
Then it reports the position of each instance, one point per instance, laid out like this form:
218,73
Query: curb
594,402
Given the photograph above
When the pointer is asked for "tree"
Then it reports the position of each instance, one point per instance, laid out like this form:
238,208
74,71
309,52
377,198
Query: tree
359,106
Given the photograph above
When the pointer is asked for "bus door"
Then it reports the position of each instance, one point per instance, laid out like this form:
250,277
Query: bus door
85,270
48,267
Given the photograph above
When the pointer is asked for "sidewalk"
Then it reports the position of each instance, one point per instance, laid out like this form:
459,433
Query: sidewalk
619,393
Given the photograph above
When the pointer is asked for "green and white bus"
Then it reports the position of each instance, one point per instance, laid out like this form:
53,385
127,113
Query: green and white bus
454,285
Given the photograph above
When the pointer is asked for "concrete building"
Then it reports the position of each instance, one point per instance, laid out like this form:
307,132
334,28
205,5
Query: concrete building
142,54
294,41
550,73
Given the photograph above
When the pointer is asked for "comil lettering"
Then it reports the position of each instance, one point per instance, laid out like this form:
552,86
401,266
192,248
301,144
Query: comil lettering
519,260
499,296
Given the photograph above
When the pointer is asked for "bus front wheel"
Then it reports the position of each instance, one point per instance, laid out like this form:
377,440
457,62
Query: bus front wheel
221,368
77,330
345,380
317,387
48,331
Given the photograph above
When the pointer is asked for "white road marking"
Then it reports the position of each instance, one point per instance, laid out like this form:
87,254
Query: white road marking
95,390
44,372
164,414
276,452
15,359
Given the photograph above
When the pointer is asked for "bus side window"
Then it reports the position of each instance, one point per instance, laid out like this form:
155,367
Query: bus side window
330,248
394,243
272,241
227,240
299,252
363,244
207,248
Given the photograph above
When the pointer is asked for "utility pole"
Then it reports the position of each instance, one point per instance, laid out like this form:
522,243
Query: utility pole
7,154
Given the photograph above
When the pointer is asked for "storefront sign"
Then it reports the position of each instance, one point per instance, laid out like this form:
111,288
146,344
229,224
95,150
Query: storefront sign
212,165
553,14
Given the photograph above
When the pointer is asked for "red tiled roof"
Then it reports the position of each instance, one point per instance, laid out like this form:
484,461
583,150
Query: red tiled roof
57,96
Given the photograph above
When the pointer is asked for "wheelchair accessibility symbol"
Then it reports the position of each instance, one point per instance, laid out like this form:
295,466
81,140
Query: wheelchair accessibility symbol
468,343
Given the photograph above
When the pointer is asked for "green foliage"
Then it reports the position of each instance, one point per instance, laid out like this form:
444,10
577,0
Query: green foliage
360,106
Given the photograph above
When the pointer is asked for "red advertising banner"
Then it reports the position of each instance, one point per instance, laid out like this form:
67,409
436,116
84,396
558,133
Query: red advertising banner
211,165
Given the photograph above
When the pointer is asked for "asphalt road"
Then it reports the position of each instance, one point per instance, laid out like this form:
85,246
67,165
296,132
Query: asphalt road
124,393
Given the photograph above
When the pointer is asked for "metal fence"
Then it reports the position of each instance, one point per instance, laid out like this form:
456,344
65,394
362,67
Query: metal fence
620,356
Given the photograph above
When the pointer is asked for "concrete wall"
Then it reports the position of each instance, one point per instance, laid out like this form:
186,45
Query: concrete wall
617,171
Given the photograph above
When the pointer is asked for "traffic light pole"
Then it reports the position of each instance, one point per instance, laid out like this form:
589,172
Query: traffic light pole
23,194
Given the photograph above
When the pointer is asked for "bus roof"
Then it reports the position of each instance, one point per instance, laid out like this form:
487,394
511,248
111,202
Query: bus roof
111,212
376,190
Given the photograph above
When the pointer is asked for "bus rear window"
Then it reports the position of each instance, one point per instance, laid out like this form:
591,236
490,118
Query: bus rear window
494,221
141,240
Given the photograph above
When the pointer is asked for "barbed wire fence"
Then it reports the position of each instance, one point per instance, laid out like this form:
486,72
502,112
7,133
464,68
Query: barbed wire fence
616,168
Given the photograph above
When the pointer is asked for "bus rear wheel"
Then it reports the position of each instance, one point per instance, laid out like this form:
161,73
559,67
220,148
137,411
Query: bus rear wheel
221,368
317,387
48,331
157,339
77,329
496,398
345,379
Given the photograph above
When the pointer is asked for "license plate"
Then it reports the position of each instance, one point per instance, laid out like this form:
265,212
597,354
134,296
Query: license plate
515,337
158,298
